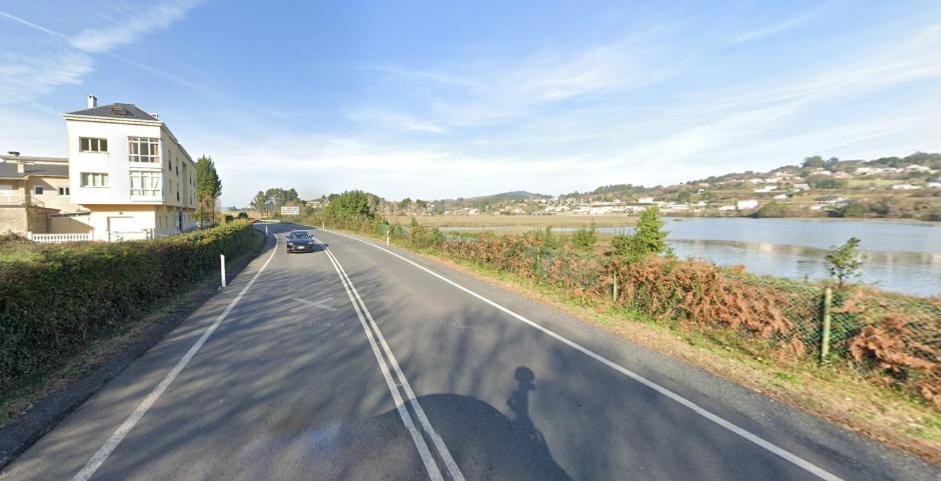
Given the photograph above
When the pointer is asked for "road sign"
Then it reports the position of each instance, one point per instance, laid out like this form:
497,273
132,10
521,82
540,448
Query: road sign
290,210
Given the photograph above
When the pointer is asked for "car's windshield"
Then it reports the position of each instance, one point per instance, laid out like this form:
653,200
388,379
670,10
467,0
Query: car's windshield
299,234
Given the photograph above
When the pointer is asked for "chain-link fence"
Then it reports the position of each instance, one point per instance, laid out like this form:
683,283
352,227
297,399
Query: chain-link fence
890,338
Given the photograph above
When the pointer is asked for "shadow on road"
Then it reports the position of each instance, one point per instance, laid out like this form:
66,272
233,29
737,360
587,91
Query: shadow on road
486,444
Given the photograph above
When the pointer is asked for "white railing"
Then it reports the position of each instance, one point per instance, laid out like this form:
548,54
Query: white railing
58,238
12,197
114,236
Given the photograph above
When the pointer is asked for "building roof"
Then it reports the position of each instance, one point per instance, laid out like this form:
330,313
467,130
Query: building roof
116,111
38,166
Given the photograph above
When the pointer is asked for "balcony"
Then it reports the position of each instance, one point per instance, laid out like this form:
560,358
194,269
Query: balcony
12,197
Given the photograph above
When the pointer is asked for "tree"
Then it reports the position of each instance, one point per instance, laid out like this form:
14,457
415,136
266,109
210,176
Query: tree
351,206
208,185
404,204
260,203
585,239
813,162
648,238
844,262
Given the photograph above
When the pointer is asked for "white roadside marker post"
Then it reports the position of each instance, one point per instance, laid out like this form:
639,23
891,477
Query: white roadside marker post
222,266
266,230
388,231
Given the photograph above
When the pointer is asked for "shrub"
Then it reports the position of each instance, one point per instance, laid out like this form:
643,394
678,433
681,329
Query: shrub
648,238
58,300
585,239
844,262
243,215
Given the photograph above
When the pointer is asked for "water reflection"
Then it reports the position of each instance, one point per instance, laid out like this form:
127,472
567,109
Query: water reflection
898,256
909,272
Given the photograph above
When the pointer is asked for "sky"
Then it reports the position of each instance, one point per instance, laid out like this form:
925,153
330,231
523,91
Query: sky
449,99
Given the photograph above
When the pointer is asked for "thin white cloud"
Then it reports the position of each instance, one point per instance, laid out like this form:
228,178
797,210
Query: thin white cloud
27,74
395,120
128,28
785,25
23,77
479,91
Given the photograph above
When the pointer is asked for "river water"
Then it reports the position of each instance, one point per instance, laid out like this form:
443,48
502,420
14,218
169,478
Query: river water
897,256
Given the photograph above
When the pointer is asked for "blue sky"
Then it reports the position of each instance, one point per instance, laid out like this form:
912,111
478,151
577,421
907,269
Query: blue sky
446,99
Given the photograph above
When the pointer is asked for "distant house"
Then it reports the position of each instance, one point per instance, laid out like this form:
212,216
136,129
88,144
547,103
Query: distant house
765,189
746,204
801,186
645,200
781,196
32,189
917,168
905,187
726,208
934,185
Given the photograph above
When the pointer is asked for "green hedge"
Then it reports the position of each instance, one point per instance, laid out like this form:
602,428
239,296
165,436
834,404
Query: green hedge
58,299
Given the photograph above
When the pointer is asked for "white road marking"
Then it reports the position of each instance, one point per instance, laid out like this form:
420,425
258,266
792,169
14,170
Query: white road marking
715,418
304,304
427,458
109,446
442,449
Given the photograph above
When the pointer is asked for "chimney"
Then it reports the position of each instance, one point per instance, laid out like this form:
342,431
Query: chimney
92,101
154,115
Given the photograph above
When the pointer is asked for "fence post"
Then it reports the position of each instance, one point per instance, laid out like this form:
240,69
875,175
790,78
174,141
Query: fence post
29,235
825,338
388,233
614,288
222,266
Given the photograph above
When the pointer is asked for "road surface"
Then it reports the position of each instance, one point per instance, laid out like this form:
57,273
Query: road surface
361,362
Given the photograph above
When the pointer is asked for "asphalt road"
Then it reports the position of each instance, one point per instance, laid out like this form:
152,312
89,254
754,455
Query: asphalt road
357,362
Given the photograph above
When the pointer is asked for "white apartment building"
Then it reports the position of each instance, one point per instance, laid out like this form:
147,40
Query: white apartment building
129,172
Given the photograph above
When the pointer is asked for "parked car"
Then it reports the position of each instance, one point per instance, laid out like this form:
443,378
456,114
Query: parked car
252,220
300,241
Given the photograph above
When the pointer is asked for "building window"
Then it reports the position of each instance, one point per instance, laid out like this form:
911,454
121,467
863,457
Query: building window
94,179
64,191
91,144
38,190
143,149
145,184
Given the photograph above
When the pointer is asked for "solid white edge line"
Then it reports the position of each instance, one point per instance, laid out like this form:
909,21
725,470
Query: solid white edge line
734,428
109,446
439,444
423,451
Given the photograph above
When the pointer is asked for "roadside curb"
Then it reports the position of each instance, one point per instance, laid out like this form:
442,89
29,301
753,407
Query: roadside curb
18,434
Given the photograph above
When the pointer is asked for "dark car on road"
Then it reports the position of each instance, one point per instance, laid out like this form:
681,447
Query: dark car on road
300,241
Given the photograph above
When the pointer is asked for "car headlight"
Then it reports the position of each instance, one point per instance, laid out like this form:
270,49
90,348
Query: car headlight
290,244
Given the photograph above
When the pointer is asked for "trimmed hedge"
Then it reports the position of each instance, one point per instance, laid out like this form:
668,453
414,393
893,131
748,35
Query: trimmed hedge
59,298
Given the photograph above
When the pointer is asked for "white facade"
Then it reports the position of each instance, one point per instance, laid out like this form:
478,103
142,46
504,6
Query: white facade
130,174
746,204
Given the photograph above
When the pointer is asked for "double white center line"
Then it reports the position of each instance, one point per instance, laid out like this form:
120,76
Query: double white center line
398,385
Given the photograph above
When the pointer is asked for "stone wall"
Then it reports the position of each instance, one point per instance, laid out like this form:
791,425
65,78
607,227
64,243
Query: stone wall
12,219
